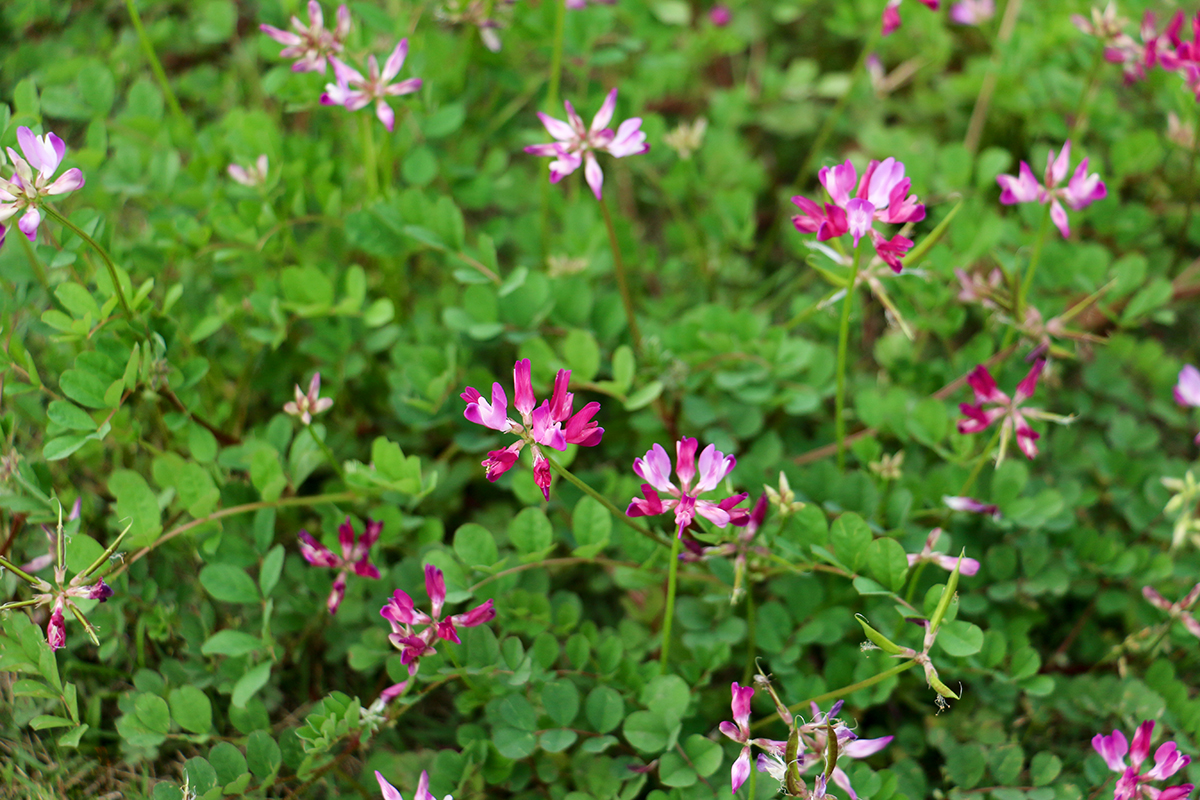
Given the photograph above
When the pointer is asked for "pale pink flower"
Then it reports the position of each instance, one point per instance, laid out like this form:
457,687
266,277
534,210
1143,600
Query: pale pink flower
253,176
31,180
1167,761
307,404
972,505
352,91
973,12
311,44
392,793
739,731
540,426
1180,609
577,145
1010,411
969,566
1081,190
882,196
401,613
355,557
714,466
1187,389
578,4
891,14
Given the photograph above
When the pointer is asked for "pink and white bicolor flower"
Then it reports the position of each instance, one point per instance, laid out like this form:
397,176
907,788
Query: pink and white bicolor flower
31,180
392,793
577,145
969,566
401,613
1167,761
1180,609
1009,410
1081,191
540,426
306,404
739,731
882,196
355,557
973,12
972,505
253,176
891,14
352,91
1187,389
655,469
311,44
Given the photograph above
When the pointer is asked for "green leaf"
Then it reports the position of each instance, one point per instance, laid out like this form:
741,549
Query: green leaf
266,473
555,741
530,531
229,584
605,708
582,355
644,396
248,685
624,366
650,732
70,416
231,642
137,504
191,708
851,539
78,301
228,761
263,755
152,711
888,563
561,701
1044,768
43,721
960,638
271,569
706,755
674,771
475,545
513,743
591,523
965,765
85,388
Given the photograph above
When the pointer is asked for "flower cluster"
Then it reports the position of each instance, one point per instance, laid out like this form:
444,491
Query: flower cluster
1164,49
540,426
1081,191
891,14
312,44
655,469
991,405
355,557
1167,761
1180,609
30,183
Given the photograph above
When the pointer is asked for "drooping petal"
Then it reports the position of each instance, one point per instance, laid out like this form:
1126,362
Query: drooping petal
1026,436
481,614
740,706
499,462
977,419
406,86
891,17
891,250
1140,749
861,748
283,37
386,115
1021,189
493,415
810,217
968,567
1167,761
29,223
337,593
541,472
1058,215
629,139
56,628
648,506
741,770
593,174
834,224
1028,384
685,512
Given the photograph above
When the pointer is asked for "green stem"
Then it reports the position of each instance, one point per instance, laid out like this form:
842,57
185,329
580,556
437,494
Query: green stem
669,611
155,65
622,282
604,501
20,573
979,462
104,256
1027,281
560,26
845,690
839,420
329,456
751,645
1077,124
916,577
370,165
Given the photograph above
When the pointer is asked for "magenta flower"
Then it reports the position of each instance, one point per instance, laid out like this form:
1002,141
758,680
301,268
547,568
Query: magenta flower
714,465
969,565
1180,610
1167,761
392,793
307,404
311,44
882,196
1009,410
1187,389
720,15
401,613
253,176
972,12
352,91
739,548
972,505
540,426
739,731
891,14
30,182
578,145
1081,191
355,557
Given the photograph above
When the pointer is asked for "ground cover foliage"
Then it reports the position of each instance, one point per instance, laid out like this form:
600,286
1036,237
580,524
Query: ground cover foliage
182,503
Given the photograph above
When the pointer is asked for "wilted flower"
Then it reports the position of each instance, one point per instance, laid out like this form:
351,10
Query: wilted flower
391,793
1102,24
254,176
686,138
372,717
578,145
882,196
968,566
355,557
972,12
739,731
1081,191
1181,133
306,405
401,613
1187,389
1167,761
814,737
972,505
543,425
655,468
311,44
1180,609
25,190
352,91
1007,409
891,14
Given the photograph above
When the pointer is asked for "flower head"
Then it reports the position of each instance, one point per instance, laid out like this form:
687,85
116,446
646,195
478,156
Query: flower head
31,180
1180,609
355,557
972,505
553,424
311,44
969,566
254,176
739,731
307,404
882,196
891,14
577,145
400,611
1081,190
714,466
392,793
1167,761
973,12
352,91
815,737
991,405
720,15
1187,389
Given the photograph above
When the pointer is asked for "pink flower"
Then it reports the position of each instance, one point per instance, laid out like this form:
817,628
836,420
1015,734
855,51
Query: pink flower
352,91
969,566
355,557
739,731
1009,410
1167,761
972,505
56,629
891,14
578,145
311,44
305,405
253,176
401,613
577,4
720,15
1081,191
714,465
30,182
972,12
1180,610
391,793
882,196
1187,389
540,426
